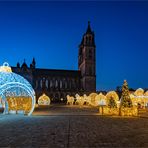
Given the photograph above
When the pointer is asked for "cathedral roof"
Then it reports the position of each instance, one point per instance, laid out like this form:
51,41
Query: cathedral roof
57,72
24,65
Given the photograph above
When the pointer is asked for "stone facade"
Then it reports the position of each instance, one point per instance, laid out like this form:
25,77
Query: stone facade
87,60
58,84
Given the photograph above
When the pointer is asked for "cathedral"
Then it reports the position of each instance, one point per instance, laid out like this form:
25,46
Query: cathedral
57,84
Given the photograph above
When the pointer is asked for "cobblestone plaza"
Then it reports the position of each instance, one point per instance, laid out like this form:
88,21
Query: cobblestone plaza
72,126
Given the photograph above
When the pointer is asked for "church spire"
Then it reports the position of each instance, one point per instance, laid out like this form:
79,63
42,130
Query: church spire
88,28
33,61
24,65
33,64
18,65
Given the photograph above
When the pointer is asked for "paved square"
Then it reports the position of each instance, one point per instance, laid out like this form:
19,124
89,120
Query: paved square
66,126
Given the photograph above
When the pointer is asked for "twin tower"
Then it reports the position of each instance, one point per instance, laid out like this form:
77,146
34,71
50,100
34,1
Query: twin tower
87,60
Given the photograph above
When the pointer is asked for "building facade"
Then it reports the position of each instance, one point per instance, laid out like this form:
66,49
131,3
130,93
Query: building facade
58,84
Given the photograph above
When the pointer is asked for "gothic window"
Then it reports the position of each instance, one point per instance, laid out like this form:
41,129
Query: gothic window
86,39
36,85
90,54
51,84
89,39
60,84
41,83
46,83
56,83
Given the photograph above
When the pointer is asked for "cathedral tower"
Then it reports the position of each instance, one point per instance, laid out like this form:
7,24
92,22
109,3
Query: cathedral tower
87,61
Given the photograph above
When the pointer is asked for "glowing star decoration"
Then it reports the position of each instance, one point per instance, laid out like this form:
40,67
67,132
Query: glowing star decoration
44,100
16,92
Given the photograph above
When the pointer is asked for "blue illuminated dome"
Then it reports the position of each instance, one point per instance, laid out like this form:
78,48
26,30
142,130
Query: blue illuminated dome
7,78
14,85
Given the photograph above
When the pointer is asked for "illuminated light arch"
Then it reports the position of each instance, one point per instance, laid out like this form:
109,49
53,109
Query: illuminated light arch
112,95
140,98
92,96
100,99
139,92
15,86
44,100
146,94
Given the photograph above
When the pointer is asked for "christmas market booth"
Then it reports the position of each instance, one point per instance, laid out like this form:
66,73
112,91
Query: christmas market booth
16,93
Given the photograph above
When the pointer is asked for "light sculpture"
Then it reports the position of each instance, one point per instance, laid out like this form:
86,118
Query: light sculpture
140,98
16,93
79,100
92,96
100,100
44,100
112,95
139,92
70,100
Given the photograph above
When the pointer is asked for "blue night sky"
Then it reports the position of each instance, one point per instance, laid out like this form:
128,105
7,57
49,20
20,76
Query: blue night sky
52,31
